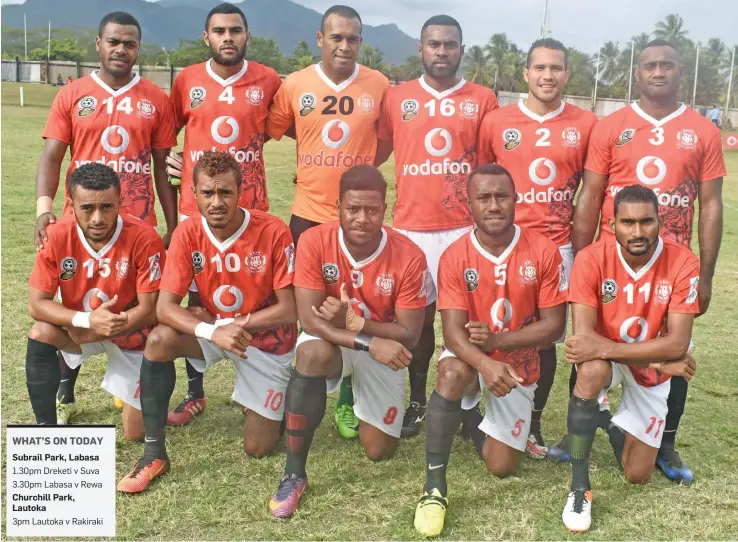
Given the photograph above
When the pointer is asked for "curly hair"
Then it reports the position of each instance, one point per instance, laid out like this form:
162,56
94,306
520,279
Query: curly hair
93,176
213,163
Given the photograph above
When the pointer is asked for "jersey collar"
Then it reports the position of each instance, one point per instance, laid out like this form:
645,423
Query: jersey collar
232,79
340,87
538,118
225,245
104,250
637,108
440,95
497,260
367,261
121,90
637,276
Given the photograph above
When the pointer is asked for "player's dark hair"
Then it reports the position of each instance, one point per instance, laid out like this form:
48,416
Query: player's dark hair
548,43
93,176
119,17
489,169
213,163
362,177
442,20
342,11
226,9
659,42
635,193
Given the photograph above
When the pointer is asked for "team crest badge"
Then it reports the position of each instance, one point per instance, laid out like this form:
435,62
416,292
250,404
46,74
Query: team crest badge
686,139
694,284
289,253
197,96
626,136
528,273
663,292
330,273
256,262
409,109
512,137
469,109
69,268
563,279
571,136
385,284
121,268
609,291
87,106
155,267
357,278
198,262
254,95
471,277
146,109
365,103
307,103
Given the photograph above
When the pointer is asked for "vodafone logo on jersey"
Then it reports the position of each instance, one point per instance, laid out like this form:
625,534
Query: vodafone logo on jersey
335,133
438,142
224,130
115,139
651,170
501,313
542,171
228,298
93,299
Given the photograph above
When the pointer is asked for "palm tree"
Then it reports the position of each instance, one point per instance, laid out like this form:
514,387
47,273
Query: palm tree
671,29
371,57
515,62
609,69
477,67
497,48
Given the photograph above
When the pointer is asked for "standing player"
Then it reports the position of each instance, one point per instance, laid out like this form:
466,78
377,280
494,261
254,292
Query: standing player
542,141
634,298
673,150
443,111
360,290
502,295
223,103
242,264
114,117
334,107
108,268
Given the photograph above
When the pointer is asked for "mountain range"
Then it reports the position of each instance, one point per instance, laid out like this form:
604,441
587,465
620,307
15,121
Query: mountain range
168,21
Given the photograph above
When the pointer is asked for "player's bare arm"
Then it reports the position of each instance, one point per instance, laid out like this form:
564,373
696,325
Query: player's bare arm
384,151
47,183
281,313
710,231
587,209
499,377
165,191
540,334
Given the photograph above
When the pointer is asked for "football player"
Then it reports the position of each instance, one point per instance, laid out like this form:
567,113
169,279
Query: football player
542,141
241,262
634,298
115,117
502,296
668,147
360,290
108,267
443,111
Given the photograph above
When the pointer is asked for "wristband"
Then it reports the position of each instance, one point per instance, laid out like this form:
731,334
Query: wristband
81,319
362,342
204,331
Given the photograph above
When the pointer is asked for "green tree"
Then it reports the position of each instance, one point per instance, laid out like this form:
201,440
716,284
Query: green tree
302,49
64,49
189,52
265,51
671,29
477,66
581,80
412,68
301,56
496,50
371,57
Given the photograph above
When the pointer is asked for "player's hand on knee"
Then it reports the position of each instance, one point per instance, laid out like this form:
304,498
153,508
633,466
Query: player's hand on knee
106,323
580,349
174,167
480,335
500,377
39,234
232,338
390,353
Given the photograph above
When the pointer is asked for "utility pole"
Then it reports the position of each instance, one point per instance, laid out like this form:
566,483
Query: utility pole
630,74
730,81
48,49
25,36
597,78
545,19
696,73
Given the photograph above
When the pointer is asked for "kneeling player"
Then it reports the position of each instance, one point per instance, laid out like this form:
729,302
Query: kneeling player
634,299
107,268
242,264
360,290
502,296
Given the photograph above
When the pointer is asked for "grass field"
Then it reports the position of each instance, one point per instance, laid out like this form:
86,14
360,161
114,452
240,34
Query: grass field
215,492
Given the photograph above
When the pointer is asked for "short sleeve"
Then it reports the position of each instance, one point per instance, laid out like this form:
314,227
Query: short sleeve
553,283
684,296
59,122
177,103
283,257
485,152
45,274
490,105
308,265
713,160
584,286
599,150
165,133
281,116
413,289
451,293
178,274
150,259
385,120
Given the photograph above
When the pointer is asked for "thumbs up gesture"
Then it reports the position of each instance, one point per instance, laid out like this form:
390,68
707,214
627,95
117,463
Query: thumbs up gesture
106,323
354,322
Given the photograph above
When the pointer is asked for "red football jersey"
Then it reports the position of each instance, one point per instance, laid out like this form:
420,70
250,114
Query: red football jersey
505,291
431,176
671,156
129,264
545,156
118,128
633,306
225,115
237,276
394,277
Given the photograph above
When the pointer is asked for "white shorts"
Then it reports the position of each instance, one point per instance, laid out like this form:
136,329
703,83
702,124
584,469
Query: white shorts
379,392
433,244
506,419
567,254
124,369
261,378
642,411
